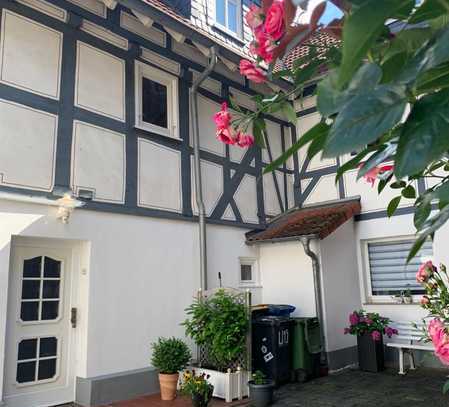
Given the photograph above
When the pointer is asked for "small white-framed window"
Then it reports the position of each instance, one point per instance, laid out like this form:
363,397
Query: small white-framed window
248,272
387,272
156,95
228,16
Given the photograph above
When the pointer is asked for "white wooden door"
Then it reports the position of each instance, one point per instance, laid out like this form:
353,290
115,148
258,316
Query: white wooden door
39,363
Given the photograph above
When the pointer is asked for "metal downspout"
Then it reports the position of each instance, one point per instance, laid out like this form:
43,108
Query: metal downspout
197,166
305,240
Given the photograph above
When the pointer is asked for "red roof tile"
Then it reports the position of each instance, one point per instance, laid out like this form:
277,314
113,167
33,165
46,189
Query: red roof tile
319,221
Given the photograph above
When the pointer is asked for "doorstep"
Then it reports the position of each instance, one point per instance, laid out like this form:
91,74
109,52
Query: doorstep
155,401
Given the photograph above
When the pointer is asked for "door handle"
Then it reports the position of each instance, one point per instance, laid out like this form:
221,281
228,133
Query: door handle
73,317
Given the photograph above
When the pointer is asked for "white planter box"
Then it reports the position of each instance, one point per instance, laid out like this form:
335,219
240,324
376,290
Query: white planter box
228,386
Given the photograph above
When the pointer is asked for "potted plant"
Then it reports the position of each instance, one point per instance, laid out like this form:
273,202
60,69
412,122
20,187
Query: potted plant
398,298
260,390
218,322
170,355
197,387
408,298
370,328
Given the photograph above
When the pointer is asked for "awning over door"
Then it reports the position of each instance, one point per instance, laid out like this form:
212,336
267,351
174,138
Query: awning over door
315,221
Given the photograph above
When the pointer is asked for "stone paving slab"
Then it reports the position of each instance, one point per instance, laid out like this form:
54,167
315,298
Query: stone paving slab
353,388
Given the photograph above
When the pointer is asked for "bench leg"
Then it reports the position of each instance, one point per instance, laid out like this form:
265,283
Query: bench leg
401,361
412,360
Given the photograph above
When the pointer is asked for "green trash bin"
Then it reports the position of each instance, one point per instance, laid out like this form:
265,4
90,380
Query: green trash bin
306,348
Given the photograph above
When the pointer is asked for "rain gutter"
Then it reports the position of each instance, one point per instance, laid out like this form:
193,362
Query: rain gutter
197,165
305,240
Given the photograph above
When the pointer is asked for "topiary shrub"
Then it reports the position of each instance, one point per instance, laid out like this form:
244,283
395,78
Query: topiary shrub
170,355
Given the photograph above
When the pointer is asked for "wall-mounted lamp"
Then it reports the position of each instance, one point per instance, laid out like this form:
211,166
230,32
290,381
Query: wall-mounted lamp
66,205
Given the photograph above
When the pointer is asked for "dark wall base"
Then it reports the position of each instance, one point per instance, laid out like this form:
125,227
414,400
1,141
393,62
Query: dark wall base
101,390
341,358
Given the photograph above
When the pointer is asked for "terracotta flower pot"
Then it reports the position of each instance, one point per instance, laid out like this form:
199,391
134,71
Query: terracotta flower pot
168,384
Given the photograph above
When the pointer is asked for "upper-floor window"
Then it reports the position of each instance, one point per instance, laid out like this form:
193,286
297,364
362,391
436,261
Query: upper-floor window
388,273
228,15
156,101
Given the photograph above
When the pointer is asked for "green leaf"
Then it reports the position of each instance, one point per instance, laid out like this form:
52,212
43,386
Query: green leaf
398,185
393,205
434,79
429,10
307,137
365,118
409,192
425,136
415,248
317,145
432,54
422,212
446,387
289,112
353,162
258,129
360,31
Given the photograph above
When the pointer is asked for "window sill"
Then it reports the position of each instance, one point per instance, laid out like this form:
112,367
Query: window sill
249,286
225,31
153,132
390,303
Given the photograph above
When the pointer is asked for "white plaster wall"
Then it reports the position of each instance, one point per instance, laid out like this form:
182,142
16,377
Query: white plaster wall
341,288
141,273
287,277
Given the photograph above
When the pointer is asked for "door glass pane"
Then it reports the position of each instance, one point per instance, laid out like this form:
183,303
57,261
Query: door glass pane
48,347
30,289
232,16
154,103
26,372
27,349
220,12
32,267
29,311
47,369
51,289
49,310
52,268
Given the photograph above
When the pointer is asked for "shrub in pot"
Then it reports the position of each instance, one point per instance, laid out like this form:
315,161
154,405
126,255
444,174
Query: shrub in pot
170,355
369,327
260,390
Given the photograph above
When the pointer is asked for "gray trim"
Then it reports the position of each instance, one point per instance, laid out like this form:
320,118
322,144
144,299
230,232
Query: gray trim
341,183
383,214
341,358
305,112
273,173
102,390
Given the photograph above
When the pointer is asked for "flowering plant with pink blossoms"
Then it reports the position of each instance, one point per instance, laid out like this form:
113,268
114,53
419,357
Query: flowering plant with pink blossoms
436,302
371,323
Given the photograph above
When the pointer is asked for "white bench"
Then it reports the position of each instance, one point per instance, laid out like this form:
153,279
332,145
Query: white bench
408,340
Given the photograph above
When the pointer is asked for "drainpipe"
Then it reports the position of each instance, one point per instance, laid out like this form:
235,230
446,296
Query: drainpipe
197,166
305,240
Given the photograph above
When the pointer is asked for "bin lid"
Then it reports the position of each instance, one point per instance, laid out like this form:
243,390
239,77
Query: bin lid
272,320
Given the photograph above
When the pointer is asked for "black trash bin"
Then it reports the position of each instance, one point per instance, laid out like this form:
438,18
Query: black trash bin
272,347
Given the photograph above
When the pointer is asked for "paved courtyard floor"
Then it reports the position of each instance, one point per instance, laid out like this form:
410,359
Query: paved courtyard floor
350,388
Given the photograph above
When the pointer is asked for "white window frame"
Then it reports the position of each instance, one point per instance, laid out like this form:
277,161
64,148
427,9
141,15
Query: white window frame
380,299
255,281
171,82
225,28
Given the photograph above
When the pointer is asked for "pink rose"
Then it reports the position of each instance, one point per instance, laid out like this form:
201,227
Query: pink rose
244,140
264,46
252,72
390,331
222,118
372,174
368,321
254,17
376,335
226,136
347,331
354,318
274,20
440,340
424,272
425,300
